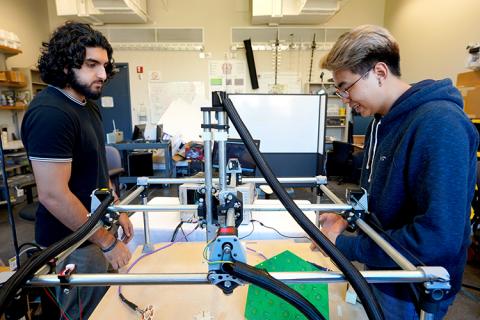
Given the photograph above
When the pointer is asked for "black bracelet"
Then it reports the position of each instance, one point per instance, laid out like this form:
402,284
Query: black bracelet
110,248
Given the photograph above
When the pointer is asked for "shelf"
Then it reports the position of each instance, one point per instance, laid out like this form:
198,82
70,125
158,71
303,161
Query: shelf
16,154
9,51
39,83
336,116
15,166
335,126
19,108
11,84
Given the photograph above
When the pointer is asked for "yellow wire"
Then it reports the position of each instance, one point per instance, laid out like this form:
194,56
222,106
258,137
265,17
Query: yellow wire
205,255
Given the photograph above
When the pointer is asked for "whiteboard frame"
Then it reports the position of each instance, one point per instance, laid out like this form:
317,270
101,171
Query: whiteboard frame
298,128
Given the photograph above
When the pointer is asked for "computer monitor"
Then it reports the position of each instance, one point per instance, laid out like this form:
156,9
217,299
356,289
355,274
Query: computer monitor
138,131
154,133
235,148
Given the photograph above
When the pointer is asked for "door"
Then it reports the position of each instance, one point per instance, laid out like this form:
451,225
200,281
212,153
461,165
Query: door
115,103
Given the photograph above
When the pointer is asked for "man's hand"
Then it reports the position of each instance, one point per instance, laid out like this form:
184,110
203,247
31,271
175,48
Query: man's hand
332,225
118,256
127,227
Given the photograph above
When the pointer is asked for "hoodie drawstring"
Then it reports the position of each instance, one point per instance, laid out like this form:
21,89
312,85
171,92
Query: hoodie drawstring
371,151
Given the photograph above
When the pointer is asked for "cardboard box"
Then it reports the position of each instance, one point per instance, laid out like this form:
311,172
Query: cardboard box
469,85
15,76
358,139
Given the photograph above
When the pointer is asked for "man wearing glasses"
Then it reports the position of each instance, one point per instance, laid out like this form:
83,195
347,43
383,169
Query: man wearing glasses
419,167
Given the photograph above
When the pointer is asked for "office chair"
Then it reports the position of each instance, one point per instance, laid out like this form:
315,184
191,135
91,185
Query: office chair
340,161
114,164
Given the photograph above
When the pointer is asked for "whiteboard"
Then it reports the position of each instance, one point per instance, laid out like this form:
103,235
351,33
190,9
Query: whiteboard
284,123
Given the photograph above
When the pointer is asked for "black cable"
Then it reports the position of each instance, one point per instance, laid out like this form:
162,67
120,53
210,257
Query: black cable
183,232
265,281
372,308
19,278
174,235
415,288
253,229
283,235
130,304
470,287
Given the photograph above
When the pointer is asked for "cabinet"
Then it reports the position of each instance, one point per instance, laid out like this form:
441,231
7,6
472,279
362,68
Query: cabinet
11,84
19,175
338,115
20,180
33,82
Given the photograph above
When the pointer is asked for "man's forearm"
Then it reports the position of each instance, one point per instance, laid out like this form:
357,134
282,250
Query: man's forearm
75,216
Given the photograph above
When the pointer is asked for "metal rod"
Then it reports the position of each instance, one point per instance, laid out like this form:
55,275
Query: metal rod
207,150
387,247
332,196
318,180
135,193
382,243
101,279
395,276
148,246
426,316
252,207
222,154
230,217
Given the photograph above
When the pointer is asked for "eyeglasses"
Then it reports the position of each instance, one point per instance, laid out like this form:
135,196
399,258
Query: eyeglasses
345,94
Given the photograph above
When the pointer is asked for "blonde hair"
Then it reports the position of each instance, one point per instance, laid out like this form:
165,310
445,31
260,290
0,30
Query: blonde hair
359,49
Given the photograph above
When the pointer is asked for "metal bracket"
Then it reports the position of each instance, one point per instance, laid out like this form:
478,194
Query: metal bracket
142,181
230,199
358,199
234,172
64,277
225,248
440,283
224,281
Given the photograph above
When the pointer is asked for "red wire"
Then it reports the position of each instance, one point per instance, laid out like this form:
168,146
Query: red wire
55,302
80,303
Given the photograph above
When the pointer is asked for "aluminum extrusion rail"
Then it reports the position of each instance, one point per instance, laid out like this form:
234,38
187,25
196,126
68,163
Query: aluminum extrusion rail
397,276
253,207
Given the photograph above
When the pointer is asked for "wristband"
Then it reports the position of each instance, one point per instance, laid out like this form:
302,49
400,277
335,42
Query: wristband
110,248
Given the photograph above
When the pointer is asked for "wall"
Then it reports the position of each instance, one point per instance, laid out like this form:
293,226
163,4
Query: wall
23,17
217,17
433,35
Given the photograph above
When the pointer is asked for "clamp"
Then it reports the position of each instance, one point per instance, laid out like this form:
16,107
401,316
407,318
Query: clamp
110,217
358,199
64,277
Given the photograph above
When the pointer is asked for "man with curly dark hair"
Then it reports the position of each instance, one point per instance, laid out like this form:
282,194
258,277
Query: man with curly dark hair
63,134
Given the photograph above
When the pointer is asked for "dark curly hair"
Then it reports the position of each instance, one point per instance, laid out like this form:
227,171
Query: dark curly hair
66,50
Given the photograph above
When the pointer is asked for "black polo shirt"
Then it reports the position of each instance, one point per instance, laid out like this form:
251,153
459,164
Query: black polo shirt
59,128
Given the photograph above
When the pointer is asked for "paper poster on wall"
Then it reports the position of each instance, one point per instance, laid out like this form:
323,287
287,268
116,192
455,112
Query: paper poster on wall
287,82
227,75
164,94
154,75
107,102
